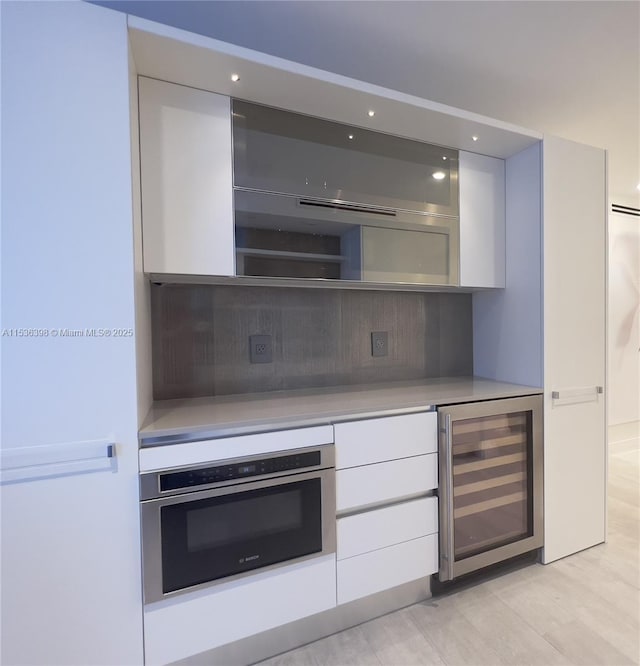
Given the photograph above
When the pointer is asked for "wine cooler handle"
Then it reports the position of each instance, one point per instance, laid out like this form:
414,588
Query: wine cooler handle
446,502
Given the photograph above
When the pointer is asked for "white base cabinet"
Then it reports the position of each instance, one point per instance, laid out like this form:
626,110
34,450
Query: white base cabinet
383,548
369,485
378,549
385,459
386,568
197,622
370,530
383,541
389,438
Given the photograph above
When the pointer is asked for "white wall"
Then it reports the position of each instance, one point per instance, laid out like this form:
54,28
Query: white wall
70,541
624,318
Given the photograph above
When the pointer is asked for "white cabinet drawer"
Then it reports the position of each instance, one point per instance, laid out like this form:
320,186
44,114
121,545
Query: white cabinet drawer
372,530
178,628
389,438
385,482
386,568
194,453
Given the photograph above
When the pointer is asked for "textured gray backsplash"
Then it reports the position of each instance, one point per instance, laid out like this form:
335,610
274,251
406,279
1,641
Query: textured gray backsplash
320,337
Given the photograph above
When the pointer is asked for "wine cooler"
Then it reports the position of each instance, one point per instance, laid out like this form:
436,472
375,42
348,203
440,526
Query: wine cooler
490,483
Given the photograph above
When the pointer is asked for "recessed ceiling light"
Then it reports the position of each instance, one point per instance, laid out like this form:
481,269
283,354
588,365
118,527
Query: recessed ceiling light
235,77
350,136
439,175
371,114
444,157
474,137
638,186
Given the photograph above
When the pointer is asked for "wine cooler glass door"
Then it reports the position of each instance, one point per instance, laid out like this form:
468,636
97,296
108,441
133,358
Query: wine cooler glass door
491,497
491,482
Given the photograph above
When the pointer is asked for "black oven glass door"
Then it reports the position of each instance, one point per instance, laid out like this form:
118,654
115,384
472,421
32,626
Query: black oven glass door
206,539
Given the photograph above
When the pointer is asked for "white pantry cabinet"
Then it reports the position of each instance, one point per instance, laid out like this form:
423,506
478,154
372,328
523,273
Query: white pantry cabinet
547,327
482,220
574,209
70,582
186,180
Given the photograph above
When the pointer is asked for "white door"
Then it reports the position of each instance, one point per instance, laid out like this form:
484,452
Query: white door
574,204
71,576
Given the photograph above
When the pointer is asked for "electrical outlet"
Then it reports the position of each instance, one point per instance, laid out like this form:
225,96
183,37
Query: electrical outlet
379,343
260,349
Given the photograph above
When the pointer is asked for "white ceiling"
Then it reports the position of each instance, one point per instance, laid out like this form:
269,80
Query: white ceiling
569,68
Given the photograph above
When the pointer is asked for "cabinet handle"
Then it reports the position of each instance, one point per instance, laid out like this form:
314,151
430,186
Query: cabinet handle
31,462
578,394
351,208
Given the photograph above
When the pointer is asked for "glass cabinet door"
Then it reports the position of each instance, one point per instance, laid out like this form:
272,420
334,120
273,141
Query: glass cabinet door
284,152
284,237
492,498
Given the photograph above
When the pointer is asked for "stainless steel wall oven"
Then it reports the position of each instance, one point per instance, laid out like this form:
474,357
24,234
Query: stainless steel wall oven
212,523
490,483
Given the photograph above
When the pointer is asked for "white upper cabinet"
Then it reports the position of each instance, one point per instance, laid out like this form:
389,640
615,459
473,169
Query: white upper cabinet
186,175
482,221
187,197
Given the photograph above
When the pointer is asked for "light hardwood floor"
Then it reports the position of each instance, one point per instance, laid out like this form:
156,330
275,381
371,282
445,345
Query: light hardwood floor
583,609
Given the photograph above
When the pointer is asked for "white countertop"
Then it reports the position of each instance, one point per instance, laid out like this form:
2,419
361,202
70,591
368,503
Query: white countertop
172,421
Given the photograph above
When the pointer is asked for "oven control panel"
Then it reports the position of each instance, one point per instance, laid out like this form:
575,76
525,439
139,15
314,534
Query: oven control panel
238,470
